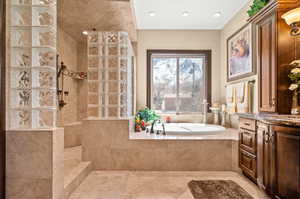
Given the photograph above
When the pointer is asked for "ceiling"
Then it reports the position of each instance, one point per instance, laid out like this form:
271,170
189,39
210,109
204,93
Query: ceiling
201,13
75,16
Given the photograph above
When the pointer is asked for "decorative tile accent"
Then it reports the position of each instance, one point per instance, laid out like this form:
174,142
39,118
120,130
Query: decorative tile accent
24,79
47,38
20,119
47,58
46,118
46,79
21,58
46,98
24,96
22,16
21,38
21,98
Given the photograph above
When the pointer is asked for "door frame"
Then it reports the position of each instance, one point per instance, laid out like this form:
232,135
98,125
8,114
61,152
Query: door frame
2,96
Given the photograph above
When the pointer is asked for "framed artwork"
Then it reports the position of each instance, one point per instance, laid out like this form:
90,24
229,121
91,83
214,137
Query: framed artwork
240,54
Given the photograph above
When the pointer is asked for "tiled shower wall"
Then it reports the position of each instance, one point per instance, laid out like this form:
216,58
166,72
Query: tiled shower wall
32,64
67,49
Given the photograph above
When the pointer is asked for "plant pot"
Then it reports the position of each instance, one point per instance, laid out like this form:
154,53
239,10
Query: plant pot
295,107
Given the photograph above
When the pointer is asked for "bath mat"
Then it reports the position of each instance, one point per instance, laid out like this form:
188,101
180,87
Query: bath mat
217,189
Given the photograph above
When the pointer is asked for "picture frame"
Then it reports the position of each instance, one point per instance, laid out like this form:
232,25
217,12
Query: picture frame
240,54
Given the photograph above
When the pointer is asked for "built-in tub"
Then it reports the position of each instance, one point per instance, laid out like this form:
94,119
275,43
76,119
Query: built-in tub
113,145
189,129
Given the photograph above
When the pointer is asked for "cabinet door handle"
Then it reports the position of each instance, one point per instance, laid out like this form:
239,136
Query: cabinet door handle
271,138
267,138
247,124
273,102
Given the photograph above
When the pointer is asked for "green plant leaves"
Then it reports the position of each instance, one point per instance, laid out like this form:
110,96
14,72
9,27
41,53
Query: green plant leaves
147,115
256,7
295,77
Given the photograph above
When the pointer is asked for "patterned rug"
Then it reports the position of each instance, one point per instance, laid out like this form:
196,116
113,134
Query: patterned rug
217,189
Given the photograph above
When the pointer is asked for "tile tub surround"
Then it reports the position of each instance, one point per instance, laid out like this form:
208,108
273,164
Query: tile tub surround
158,185
107,145
73,134
35,164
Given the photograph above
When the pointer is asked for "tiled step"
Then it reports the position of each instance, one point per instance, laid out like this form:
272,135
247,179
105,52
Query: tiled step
72,158
75,177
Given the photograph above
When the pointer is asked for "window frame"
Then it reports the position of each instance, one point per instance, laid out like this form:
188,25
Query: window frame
206,53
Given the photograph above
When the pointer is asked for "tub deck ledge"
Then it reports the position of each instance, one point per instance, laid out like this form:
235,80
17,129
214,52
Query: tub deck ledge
228,134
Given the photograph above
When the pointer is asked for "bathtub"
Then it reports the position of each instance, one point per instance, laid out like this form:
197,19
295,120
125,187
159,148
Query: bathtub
189,129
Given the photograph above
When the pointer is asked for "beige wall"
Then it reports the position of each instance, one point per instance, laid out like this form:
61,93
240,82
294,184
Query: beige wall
176,39
237,22
82,85
35,164
67,50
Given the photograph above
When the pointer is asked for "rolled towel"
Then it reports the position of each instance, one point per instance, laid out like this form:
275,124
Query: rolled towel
240,92
229,94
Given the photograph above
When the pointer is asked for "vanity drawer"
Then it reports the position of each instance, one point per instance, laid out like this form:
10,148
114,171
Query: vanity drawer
247,163
247,140
248,124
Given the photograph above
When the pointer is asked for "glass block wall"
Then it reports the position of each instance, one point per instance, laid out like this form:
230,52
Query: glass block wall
110,58
32,65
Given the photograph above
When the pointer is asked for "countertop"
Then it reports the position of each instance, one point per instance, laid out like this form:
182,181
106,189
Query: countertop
274,119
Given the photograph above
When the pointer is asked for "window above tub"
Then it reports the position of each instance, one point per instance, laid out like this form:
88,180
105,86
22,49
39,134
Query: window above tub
178,80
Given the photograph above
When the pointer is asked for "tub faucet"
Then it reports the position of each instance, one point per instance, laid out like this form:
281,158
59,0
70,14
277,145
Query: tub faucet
205,110
157,132
152,126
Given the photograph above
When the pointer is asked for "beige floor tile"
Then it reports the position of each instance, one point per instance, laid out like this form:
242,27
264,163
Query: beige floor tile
150,185
99,186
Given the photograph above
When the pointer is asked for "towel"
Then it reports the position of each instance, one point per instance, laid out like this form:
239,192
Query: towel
232,106
240,92
245,105
229,94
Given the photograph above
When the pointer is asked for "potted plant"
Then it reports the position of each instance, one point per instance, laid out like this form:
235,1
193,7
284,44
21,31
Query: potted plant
256,7
147,116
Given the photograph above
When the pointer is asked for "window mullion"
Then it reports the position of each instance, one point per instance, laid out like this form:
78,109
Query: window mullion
177,86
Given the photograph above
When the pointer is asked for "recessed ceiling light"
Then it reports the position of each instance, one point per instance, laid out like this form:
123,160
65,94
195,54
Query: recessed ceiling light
85,32
152,13
185,13
217,14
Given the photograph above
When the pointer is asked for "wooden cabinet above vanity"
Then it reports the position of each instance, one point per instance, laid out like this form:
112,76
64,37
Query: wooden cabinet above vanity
275,49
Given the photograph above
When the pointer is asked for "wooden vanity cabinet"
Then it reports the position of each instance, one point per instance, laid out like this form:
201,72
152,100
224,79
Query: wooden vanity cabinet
247,147
285,160
269,155
278,160
264,149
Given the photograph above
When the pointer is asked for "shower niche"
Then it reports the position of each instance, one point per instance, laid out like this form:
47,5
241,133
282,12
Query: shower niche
110,75
32,64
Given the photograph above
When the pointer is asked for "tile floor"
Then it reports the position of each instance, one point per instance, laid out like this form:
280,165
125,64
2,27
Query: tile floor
152,185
